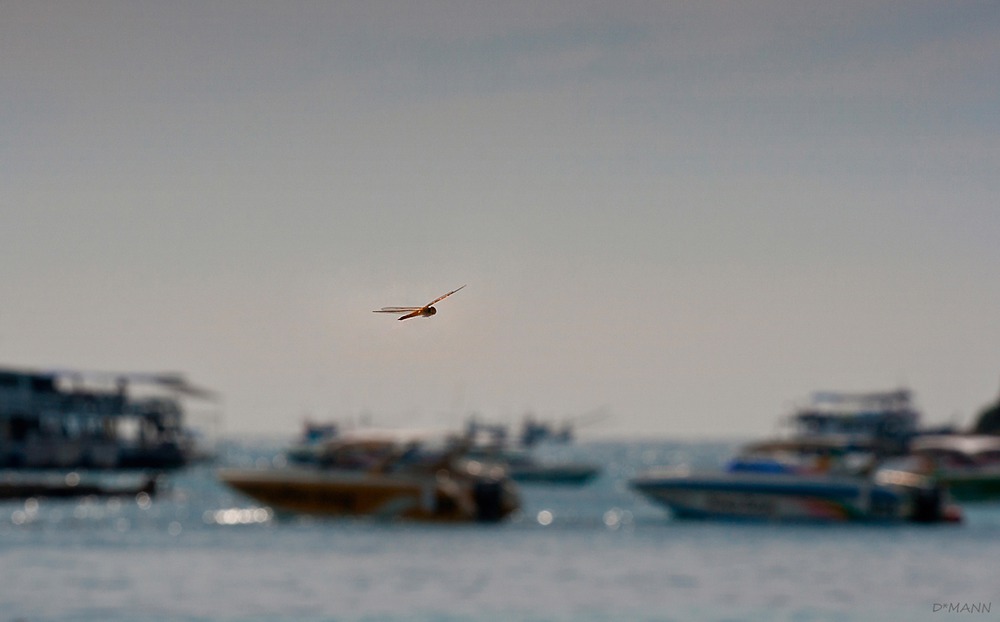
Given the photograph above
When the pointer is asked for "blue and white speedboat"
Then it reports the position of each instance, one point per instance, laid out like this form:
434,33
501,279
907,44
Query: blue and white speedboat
773,493
828,470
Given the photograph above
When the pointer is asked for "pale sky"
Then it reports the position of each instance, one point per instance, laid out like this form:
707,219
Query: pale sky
688,214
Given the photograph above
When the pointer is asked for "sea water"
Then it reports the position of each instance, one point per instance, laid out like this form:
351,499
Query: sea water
200,552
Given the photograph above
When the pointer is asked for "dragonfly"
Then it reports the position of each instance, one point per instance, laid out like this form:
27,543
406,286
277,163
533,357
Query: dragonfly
425,311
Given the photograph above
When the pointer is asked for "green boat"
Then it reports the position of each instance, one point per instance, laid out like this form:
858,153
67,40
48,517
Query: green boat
967,464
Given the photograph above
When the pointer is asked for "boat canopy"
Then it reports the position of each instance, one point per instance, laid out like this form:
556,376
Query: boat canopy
970,445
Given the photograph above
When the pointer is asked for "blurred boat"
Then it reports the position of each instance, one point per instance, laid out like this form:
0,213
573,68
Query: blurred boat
773,492
830,468
883,422
72,419
309,448
488,444
24,485
967,464
535,432
525,468
386,475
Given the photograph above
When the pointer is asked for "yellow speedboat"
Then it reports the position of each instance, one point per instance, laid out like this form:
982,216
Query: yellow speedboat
387,475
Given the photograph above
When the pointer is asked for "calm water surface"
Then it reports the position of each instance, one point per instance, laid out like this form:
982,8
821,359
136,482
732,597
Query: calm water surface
199,552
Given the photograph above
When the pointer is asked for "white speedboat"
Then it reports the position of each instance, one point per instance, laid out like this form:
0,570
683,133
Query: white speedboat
777,496
817,479
524,467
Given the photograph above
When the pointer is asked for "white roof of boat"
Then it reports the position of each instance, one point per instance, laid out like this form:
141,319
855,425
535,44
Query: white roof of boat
964,443
393,435
172,381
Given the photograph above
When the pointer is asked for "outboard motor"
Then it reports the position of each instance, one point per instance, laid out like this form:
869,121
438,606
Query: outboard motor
928,505
488,495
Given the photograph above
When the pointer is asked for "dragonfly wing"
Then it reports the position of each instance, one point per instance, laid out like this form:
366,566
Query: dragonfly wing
440,298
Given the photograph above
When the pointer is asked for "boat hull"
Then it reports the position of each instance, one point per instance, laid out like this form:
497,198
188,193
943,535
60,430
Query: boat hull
775,497
357,493
27,484
567,474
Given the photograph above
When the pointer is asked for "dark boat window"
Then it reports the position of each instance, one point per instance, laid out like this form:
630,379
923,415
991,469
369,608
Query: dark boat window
8,379
20,426
43,384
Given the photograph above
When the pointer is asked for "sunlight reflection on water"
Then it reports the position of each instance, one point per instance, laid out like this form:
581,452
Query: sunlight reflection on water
197,551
